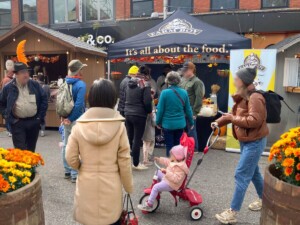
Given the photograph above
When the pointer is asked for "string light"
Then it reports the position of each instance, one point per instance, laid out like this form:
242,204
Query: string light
67,52
97,62
38,40
14,39
86,59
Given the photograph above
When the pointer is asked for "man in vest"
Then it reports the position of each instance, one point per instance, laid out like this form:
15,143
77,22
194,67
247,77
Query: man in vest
24,103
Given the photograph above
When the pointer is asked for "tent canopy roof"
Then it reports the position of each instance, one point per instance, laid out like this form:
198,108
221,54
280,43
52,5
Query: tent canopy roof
181,33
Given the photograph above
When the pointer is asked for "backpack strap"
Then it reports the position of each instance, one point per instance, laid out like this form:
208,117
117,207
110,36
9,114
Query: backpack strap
181,100
279,96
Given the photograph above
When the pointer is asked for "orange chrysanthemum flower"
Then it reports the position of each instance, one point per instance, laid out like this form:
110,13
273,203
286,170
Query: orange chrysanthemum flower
288,162
288,171
297,177
298,166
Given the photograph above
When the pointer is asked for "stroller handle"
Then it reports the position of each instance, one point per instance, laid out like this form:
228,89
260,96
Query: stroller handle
156,165
211,136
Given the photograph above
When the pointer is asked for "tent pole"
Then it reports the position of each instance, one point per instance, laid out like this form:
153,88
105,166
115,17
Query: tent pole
108,69
165,9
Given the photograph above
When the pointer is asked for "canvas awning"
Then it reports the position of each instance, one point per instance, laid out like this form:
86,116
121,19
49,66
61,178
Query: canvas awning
179,34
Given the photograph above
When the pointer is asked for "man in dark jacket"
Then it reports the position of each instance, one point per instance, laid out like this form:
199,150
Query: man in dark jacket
122,93
24,103
137,106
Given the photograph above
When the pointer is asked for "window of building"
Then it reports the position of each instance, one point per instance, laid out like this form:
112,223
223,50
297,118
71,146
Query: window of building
5,13
99,9
275,3
223,5
186,5
141,8
64,11
29,11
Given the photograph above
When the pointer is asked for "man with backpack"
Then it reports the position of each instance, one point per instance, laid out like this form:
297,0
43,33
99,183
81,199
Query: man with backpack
71,109
24,103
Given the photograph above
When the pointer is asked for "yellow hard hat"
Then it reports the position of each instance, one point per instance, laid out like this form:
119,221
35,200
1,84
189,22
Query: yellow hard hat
133,70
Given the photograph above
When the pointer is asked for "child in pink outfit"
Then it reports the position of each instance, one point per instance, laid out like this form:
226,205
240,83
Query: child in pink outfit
171,178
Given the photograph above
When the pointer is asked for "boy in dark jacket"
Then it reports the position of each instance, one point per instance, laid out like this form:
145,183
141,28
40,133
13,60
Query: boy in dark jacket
131,73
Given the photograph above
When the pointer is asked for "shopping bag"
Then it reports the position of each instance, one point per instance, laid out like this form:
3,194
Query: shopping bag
128,215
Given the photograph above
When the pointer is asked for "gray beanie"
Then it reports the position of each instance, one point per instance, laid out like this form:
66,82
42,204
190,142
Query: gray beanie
247,75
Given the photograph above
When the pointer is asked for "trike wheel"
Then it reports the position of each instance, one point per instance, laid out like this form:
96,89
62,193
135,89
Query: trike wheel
196,213
145,198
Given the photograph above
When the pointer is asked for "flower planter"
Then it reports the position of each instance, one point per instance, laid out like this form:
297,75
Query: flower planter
23,206
281,201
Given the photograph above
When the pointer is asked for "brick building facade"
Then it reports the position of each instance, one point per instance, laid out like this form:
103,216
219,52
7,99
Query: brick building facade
242,16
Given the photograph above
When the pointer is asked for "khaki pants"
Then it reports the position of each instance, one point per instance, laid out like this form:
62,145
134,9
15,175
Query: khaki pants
148,148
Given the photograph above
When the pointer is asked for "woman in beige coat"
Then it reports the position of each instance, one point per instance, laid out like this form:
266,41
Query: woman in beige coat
98,148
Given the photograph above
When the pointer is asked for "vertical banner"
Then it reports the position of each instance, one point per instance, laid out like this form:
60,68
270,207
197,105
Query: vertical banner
265,62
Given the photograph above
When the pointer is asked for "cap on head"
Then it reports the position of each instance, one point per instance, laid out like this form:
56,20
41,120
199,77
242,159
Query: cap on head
247,75
75,66
188,66
133,71
19,66
179,152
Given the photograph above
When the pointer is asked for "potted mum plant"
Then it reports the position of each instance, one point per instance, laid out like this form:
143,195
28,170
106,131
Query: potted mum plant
20,188
281,197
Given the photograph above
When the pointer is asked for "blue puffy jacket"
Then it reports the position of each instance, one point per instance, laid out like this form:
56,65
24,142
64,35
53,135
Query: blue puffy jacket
78,92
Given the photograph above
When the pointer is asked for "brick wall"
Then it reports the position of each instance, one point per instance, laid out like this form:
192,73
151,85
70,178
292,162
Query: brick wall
201,6
123,9
42,12
294,3
15,12
158,5
250,5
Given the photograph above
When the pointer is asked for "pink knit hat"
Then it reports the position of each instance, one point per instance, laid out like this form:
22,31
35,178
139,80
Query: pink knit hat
179,152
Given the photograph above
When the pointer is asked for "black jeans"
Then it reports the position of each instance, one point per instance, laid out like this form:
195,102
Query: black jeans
172,138
135,126
25,134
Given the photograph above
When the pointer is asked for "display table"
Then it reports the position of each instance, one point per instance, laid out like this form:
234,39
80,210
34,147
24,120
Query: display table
204,130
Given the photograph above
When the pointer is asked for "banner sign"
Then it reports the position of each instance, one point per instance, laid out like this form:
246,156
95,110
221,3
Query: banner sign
265,62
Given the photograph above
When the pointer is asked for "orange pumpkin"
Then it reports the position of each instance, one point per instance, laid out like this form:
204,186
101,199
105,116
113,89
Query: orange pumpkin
222,131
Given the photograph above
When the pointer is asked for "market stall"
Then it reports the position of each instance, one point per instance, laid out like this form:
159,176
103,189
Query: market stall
182,38
48,53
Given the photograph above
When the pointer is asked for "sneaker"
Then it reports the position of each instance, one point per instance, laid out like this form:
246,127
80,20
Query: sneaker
227,217
42,133
256,205
145,207
9,134
73,179
140,167
67,175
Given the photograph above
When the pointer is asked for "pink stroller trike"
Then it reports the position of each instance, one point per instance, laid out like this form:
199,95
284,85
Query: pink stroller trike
184,193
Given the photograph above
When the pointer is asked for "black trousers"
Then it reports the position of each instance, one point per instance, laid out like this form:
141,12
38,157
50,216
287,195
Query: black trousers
135,126
25,134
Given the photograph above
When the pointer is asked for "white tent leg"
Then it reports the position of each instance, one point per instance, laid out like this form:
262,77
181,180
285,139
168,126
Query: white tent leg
108,69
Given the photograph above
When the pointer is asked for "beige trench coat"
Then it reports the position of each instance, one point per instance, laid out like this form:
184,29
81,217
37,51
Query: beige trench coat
98,148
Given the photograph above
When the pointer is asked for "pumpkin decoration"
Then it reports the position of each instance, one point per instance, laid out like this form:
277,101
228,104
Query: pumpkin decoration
223,131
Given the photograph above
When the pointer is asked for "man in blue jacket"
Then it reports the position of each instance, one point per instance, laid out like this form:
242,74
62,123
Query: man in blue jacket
24,103
74,78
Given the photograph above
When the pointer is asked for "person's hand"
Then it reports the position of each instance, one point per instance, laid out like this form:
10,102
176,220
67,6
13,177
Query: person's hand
214,125
158,127
156,159
194,117
66,122
228,116
163,170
